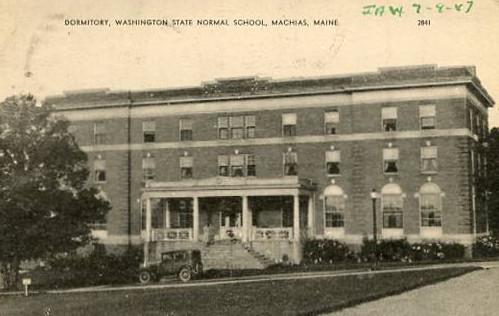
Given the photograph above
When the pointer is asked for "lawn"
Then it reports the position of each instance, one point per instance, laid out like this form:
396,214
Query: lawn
282,297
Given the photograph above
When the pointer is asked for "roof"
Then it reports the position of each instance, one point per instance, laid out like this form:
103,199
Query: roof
257,87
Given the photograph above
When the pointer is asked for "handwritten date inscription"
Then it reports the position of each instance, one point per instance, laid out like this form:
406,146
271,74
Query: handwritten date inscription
400,10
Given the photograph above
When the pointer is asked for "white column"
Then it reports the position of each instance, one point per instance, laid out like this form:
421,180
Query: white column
167,214
246,225
148,231
311,215
195,218
296,217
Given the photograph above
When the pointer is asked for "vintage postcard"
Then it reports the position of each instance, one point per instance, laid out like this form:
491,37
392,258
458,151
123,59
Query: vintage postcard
273,157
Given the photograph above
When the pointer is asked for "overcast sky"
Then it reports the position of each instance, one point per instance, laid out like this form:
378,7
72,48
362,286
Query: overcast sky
40,54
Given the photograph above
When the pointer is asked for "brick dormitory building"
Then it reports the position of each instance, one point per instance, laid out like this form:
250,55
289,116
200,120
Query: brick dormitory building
272,162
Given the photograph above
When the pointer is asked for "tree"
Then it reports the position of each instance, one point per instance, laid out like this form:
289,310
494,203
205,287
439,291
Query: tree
493,180
45,205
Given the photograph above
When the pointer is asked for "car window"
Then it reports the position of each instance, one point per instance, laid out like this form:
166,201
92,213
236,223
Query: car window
180,256
167,257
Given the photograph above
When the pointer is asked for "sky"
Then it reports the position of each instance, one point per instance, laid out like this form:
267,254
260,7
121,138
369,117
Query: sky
41,55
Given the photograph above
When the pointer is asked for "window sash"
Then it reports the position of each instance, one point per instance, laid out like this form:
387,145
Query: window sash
223,160
223,122
289,119
427,111
333,156
148,163
427,122
236,121
149,126
429,165
185,134
99,175
186,162
390,154
237,160
332,117
389,113
289,130
99,164
331,128
185,124
291,157
429,152
250,120
99,128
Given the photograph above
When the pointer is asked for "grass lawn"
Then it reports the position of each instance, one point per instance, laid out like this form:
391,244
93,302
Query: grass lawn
283,297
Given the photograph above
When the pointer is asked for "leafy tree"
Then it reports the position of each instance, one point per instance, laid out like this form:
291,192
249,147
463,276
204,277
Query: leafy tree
45,207
493,180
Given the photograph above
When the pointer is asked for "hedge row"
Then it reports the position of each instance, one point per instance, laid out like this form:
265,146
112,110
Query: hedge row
395,250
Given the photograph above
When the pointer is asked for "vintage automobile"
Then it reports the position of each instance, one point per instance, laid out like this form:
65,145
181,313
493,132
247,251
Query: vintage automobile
186,264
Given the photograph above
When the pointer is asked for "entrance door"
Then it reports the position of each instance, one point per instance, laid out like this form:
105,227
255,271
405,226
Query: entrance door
230,225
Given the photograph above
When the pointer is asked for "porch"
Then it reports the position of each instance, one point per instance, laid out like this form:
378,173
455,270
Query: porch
255,211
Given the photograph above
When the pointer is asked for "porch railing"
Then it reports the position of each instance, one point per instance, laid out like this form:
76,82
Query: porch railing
274,233
171,234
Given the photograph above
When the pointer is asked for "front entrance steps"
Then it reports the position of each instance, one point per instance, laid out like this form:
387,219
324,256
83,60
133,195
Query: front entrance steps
232,254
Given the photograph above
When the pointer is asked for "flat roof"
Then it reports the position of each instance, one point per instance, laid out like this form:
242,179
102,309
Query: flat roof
257,87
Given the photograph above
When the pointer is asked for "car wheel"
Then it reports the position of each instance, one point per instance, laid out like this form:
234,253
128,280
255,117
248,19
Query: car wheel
145,276
185,274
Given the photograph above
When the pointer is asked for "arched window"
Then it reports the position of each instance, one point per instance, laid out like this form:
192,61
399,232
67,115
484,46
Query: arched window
392,206
334,206
430,205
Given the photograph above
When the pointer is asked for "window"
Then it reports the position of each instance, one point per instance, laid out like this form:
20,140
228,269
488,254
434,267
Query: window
250,123
223,166
429,159
185,130
236,127
250,166
290,163
99,170
392,203
289,124
223,127
390,160
99,133
237,165
430,204
186,167
331,120
180,213
389,118
333,162
427,116
148,168
149,130
334,208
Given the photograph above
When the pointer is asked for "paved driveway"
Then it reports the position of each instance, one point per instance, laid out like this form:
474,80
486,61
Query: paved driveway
474,294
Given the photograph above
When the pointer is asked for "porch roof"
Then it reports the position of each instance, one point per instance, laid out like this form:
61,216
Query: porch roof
229,186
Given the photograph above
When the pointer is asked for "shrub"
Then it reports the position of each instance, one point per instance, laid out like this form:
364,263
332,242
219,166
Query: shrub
96,269
436,251
486,246
318,251
399,250
389,250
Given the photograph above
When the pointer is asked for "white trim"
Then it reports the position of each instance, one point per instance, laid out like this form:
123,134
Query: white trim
389,233
273,102
334,232
283,140
431,232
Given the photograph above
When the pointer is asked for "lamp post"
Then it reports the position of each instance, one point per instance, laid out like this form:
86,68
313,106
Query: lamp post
374,196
